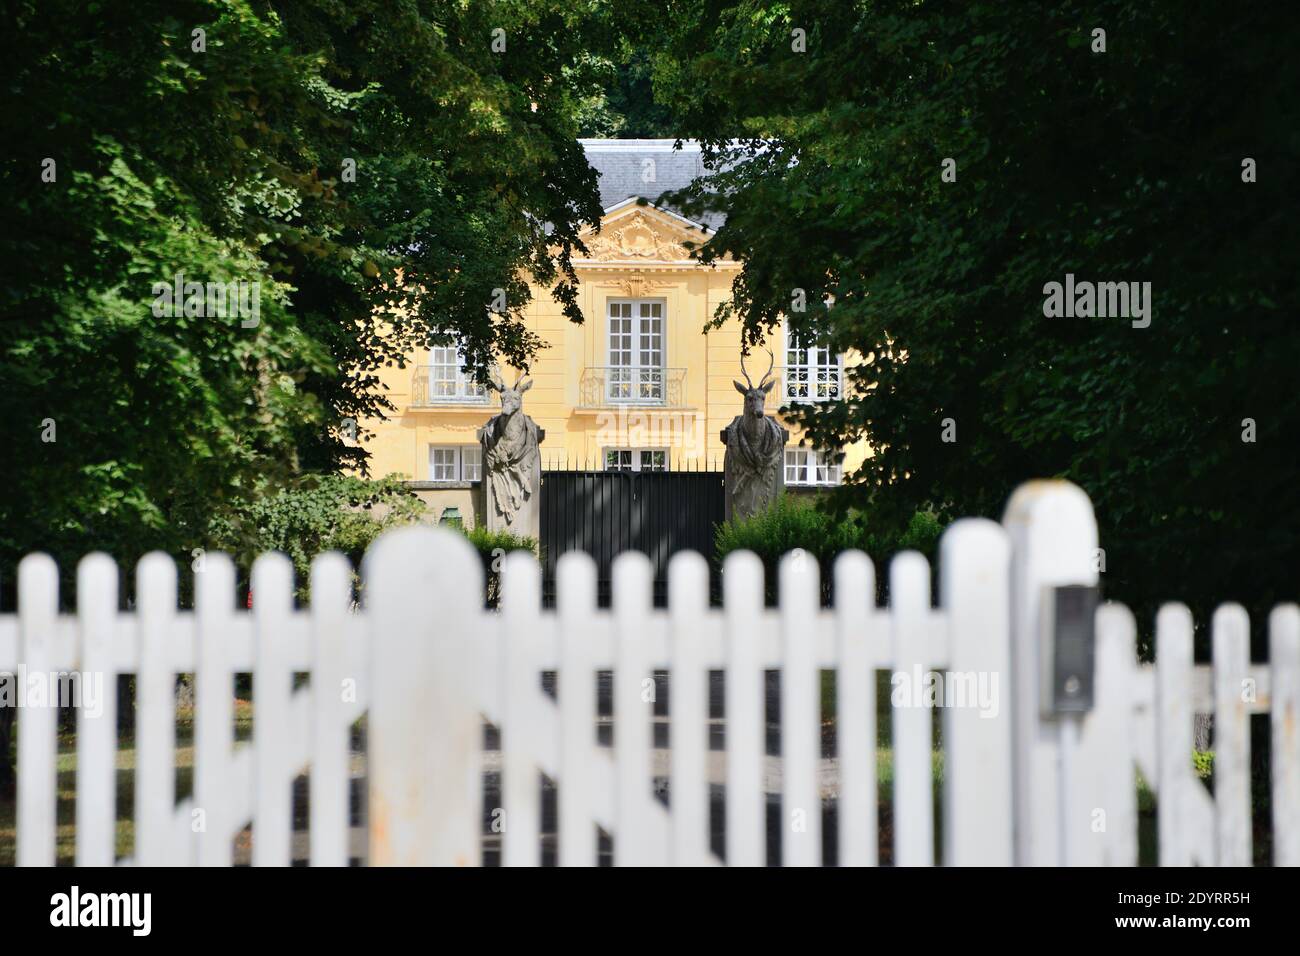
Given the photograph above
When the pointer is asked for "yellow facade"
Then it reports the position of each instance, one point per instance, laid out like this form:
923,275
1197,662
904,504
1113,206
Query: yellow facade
640,375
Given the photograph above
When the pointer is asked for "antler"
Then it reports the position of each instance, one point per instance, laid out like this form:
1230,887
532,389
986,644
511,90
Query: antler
770,365
742,369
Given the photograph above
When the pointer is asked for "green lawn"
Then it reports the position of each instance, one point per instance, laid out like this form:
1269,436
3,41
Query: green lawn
66,813
67,785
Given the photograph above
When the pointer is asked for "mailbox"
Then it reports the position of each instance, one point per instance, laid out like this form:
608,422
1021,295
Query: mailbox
1067,646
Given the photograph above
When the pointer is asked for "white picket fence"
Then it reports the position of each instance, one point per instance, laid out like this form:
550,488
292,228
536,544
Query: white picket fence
428,665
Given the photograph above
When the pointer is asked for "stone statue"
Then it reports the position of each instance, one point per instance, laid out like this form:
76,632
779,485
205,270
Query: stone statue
754,465
512,465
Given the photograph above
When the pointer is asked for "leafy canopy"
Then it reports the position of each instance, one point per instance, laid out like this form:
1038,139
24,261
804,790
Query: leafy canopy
1117,166
228,155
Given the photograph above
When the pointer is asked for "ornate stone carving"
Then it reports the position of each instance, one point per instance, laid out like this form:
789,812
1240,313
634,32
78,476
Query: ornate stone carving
637,236
754,464
636,286
512,465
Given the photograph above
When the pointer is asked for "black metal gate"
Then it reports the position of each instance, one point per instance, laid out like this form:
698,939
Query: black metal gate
608,512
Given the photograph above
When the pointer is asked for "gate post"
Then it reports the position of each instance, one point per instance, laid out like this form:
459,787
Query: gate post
424,607
1053,542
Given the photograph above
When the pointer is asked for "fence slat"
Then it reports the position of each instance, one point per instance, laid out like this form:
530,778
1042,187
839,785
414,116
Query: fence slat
688,599
522,705
576,606
1112,789
742,580
214,596
635,842
1284,663
38,608
155,716
855,709
272,685
1231,735
1174,733
97,727
331,590
974,566
801,843
909,588
424,586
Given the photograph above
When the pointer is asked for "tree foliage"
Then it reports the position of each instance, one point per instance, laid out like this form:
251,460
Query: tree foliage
793,523
321,513
216,138
1123,165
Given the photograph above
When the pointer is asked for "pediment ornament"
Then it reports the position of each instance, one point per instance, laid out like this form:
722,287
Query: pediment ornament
638,237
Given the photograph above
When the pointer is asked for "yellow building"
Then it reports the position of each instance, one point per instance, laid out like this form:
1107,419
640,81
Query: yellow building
639,385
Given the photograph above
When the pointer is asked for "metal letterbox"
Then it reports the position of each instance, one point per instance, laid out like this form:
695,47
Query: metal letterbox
1067,647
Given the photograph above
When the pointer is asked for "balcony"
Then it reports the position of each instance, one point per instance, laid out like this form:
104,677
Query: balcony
804,384
441,386
607,386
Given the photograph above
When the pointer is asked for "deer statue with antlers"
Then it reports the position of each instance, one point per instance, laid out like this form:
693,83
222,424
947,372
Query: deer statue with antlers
512,465
753,466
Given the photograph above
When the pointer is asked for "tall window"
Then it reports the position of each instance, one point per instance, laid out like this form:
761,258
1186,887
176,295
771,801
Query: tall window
636,351
455,463
447,379
812,373
804,466
636,459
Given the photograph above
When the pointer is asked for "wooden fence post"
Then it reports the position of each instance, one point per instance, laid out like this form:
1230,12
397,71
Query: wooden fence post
1284,663
38,615
1054,542
855,703
913,722
97,731
424,596
974,562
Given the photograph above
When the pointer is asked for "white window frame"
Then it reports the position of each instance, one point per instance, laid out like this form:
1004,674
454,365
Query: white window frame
465,463
633,374
447,381
637,459
810,468
817,377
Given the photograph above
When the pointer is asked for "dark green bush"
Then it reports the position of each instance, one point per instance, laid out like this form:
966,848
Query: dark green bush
793,522
492,547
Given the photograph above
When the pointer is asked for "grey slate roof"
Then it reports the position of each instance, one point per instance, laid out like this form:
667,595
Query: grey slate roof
620,165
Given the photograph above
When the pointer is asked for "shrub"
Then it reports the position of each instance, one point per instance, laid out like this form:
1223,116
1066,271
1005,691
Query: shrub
320,513
492,547
799,523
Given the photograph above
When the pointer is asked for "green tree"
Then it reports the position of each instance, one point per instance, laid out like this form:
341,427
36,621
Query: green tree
1122,165
380,168
625,107
318,514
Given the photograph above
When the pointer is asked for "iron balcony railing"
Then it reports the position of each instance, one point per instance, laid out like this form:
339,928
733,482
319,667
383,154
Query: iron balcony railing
441,385
628,385
799,384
